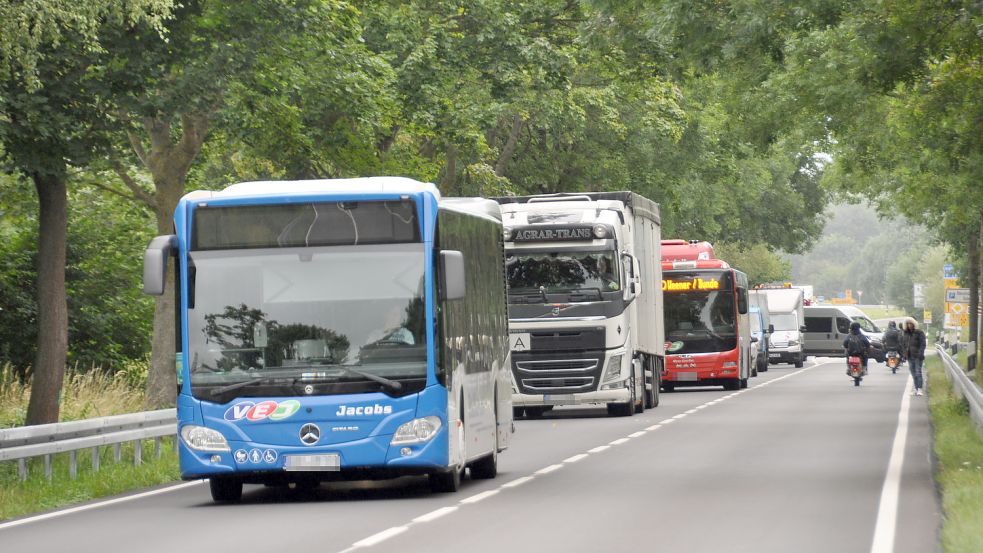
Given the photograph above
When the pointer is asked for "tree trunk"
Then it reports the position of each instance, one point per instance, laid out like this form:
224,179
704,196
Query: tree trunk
169,162
503,160
450,172
49,366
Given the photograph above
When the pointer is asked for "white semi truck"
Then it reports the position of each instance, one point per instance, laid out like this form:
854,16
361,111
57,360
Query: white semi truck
787,316
585,301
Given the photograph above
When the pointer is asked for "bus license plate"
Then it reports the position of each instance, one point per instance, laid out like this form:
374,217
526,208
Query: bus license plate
686,376
322,462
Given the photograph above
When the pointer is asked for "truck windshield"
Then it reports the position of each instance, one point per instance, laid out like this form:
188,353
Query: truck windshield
554,272
785,321
700,321
292,320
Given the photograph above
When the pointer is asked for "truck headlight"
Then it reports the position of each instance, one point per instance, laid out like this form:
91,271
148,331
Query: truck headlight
613,370
203,439
793,342
600,231
416,431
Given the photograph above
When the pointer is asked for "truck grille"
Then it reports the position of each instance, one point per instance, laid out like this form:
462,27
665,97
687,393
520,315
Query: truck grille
556,373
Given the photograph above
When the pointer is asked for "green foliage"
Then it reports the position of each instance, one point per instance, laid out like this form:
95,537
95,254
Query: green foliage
761,264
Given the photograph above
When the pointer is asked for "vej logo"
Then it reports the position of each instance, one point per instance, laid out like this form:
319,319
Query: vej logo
262,410
346,411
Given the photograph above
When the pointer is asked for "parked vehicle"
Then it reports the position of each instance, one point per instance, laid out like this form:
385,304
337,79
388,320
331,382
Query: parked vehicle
585,305
785,311
828,325
327,330
707,326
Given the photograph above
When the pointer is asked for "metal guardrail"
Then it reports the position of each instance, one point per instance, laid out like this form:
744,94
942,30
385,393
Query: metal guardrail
965,387
45,440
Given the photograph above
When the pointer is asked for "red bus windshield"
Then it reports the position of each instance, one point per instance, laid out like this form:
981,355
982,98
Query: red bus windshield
700,312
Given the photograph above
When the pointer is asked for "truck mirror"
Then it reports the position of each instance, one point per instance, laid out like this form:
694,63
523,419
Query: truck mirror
771,329
453,284
155,263
802,328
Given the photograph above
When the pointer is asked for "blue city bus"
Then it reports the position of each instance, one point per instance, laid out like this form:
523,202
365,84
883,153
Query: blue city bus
337,329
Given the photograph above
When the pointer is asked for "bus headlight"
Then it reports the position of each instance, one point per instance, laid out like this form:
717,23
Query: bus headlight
416,431
613,370
203,439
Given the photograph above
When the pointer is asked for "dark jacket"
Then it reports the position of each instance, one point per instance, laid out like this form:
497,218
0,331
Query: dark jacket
863,340
892,340
913,344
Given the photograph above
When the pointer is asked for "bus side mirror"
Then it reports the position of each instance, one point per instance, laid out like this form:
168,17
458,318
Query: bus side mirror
155,263
453,284
742,306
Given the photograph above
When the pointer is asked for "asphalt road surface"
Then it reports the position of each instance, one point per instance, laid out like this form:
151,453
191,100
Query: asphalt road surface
800,461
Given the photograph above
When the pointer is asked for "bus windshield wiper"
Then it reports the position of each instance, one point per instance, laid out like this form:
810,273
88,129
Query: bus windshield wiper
391,384
243,384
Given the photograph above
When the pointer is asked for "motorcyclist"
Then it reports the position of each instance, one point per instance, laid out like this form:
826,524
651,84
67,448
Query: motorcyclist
892,339
856,345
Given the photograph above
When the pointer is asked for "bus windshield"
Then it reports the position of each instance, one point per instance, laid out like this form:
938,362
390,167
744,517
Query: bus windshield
554,272
700,321
307,317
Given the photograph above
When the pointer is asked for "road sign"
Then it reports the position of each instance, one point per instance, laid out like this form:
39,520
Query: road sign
948,271
927,316
919,293
957,295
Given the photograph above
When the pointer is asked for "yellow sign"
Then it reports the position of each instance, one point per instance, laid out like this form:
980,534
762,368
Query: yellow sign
669,285
927,316
951,282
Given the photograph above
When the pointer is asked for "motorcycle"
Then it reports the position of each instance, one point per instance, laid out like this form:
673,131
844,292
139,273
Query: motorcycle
855,369
893,361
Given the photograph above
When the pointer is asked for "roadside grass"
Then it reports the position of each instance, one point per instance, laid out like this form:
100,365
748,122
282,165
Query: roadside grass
959,450
883,312
88,394
37,494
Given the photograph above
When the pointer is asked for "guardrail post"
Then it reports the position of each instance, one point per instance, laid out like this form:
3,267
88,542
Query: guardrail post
137,452
73,464
95,459
118,452
47,466
22,469
157,447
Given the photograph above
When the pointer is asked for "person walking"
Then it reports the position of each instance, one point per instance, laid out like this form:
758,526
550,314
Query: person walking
913,350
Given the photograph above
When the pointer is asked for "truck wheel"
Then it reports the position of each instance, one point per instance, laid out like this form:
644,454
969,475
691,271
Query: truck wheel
743,383
798,363
225,489
640,393
656,382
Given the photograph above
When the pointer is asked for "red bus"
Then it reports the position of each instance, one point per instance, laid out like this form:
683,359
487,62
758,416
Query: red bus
708,333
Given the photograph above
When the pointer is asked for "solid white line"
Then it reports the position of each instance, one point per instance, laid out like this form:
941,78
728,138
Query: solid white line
668,421
549,469
887,511
638,434
434,515
619,441
690,412
478,497
653,427
575,458
679,416
380,537
517,482
106,503
598,449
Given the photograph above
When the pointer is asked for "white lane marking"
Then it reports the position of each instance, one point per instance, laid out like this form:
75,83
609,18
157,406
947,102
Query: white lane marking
380,537
887,511
637,434
106,503
517,482
478,497
653,427
679,416
598,449
691,411
434,515
669,421
549,469
575,458
619,441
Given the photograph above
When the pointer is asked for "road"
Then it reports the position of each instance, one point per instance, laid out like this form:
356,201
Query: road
797,462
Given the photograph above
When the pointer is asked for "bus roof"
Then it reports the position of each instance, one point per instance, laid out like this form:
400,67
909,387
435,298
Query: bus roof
369,185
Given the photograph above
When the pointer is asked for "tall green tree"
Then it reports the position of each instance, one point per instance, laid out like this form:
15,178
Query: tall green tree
50,121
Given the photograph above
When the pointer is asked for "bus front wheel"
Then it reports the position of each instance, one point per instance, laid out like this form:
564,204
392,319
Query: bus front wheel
445,482
225,489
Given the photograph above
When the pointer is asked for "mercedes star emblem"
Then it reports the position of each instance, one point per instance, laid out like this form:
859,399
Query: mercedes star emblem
310,434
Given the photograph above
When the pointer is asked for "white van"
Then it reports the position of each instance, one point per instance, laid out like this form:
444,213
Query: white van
828,325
